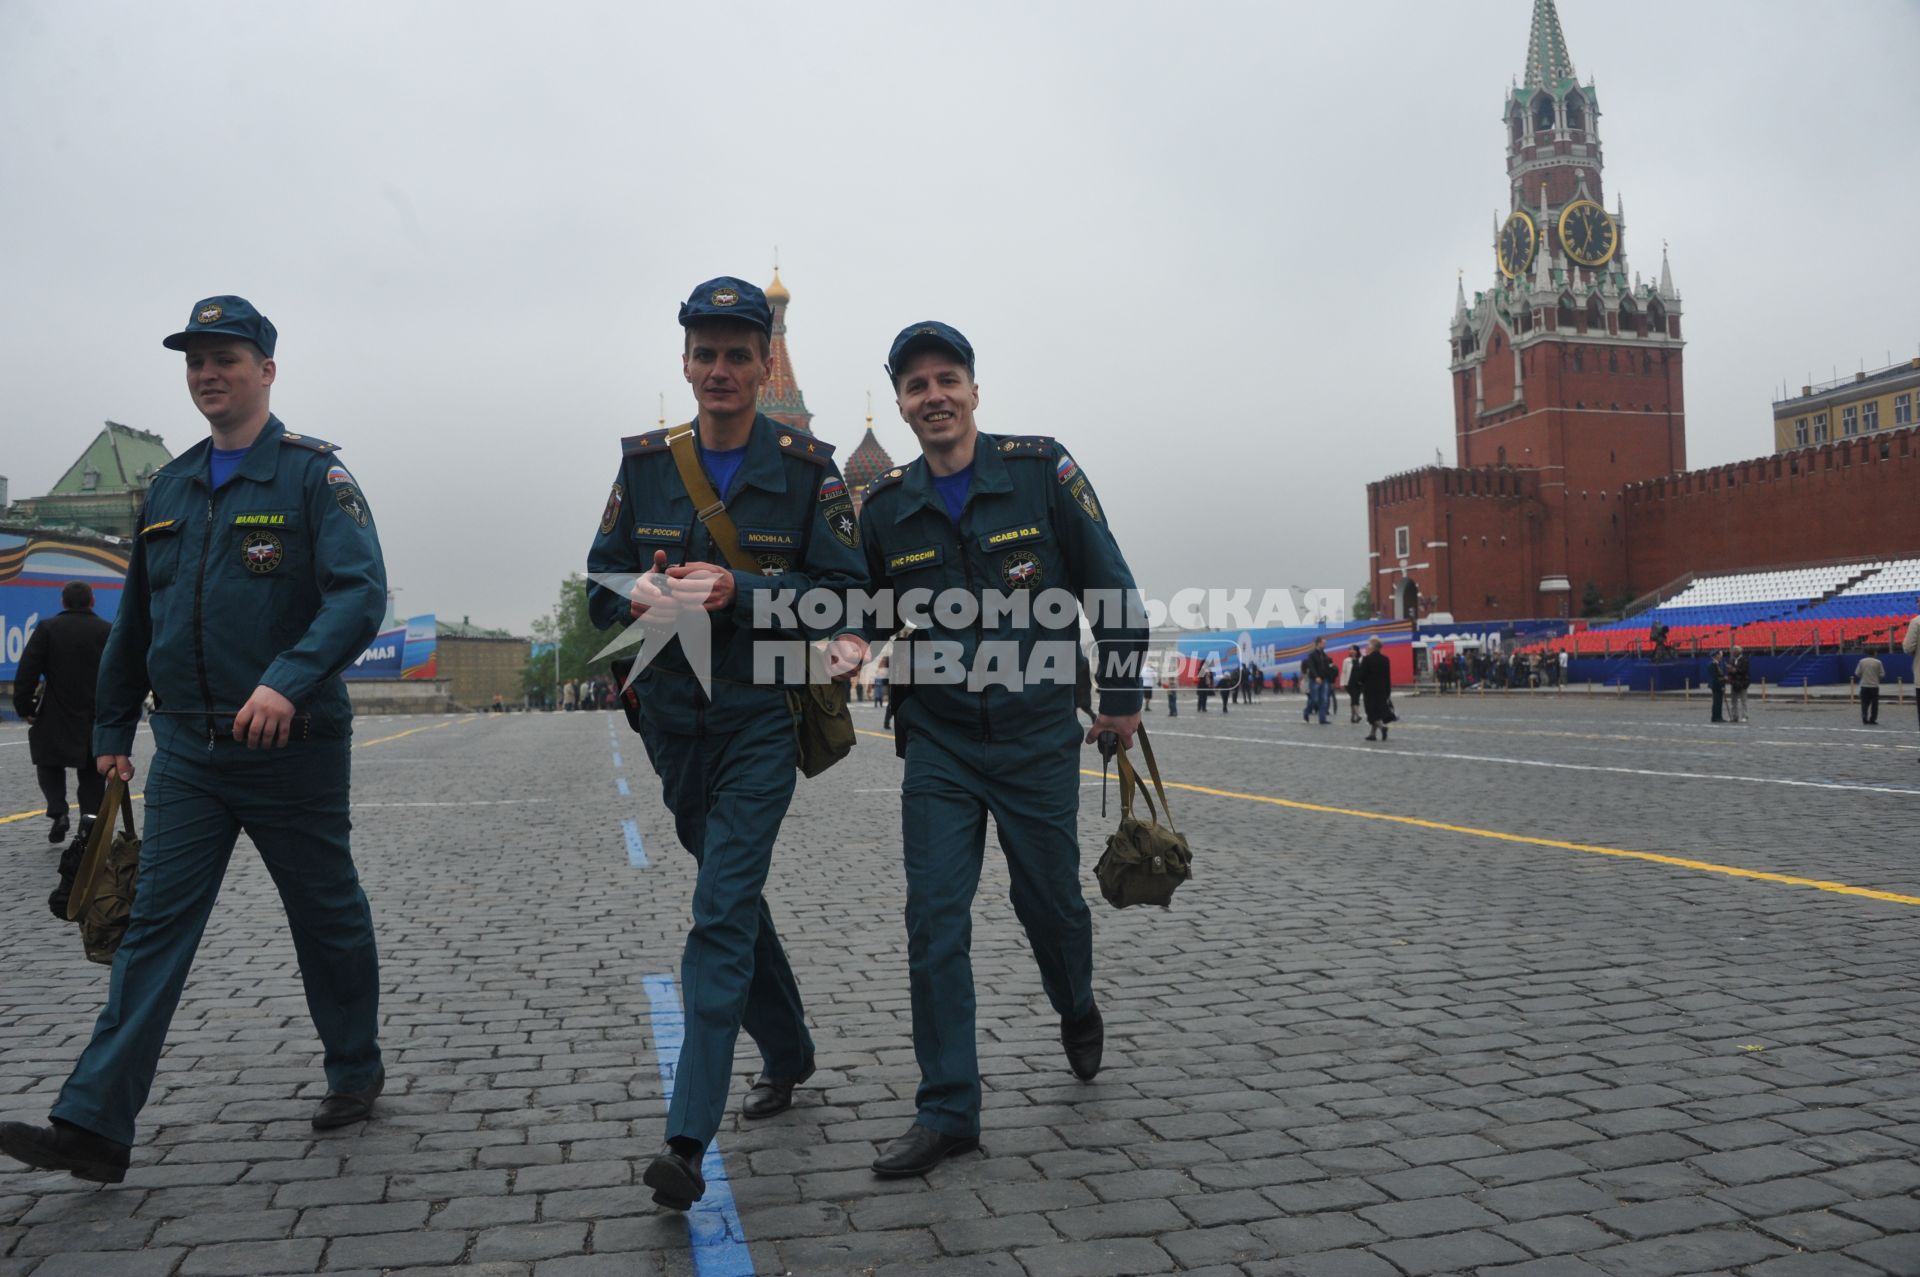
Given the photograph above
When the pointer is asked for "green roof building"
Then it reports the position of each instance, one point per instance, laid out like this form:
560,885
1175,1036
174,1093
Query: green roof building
105,490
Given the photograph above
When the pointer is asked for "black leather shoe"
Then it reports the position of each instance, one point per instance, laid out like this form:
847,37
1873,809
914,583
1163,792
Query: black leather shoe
59,831
920,1150
675,1180
64,1147
1085,1039
770,1096
344,1108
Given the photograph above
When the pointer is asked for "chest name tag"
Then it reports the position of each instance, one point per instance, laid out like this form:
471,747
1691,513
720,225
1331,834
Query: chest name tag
1011,536
260,520
675,533
767,539
911,559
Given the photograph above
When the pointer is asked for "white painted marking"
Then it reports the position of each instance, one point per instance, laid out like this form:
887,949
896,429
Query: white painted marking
1388,750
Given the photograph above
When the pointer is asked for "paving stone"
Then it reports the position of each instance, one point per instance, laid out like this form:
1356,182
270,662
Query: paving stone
344,1221
155,1262
1451,1253
1113,1257
396,1250
1558,1235
1696,1252
254,1259
1427,1216
1898,1255
1310,1234
1813,1266
531,1241
1673,1215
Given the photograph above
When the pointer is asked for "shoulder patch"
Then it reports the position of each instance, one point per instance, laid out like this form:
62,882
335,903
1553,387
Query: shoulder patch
1042,446
308,441
640,445
806,447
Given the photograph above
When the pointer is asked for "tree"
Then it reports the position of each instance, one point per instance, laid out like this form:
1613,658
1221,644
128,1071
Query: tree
571,630
1591,603
1362,609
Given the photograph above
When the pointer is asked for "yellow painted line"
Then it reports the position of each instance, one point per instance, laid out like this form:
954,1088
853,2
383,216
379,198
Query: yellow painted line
1678,862
42,812
1728,741
368,744
1652,857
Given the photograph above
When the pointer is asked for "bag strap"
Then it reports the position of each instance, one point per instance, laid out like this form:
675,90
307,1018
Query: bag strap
712,511
1130,781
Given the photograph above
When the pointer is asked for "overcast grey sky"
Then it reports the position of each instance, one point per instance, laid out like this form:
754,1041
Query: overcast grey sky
1211,246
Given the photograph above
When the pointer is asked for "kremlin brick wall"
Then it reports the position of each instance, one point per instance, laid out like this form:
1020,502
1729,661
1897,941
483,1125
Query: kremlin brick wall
1855,499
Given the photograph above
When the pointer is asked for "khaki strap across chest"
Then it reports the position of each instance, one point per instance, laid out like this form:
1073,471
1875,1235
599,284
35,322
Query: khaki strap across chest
707,504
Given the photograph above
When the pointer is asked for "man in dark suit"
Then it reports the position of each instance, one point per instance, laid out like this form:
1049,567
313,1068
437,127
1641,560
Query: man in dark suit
64,654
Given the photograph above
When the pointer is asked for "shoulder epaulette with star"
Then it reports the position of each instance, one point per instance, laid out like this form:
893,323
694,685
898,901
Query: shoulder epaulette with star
806,447
1042,446
308,441
640,445
885,481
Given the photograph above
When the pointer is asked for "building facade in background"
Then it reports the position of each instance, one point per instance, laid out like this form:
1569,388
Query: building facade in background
1863,404
1570,446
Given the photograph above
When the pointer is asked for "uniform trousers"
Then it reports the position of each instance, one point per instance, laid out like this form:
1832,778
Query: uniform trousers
728,792
293,803
1031,788
53,783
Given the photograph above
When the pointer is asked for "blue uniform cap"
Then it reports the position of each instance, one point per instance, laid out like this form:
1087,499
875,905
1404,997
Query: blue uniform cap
226,316
728,298
925,335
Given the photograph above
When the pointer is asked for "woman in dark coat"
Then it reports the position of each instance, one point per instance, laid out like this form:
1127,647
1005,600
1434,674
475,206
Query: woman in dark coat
1376,688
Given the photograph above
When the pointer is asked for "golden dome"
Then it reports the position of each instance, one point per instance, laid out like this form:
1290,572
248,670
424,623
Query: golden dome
777,293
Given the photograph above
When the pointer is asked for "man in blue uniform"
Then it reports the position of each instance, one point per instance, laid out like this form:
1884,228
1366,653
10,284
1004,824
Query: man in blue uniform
725,760
255,581
987,723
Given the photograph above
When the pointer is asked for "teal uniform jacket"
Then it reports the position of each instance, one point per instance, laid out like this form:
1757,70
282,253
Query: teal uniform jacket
793,513
1031,522
275,580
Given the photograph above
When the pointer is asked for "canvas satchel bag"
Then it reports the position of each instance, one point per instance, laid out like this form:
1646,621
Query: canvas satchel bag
1145,860
103,890
822,724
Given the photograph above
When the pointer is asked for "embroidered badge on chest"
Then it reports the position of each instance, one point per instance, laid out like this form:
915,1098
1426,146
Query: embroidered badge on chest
262,551
773,564
1021,570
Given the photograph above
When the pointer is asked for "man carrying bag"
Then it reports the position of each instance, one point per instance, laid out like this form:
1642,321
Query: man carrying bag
725,751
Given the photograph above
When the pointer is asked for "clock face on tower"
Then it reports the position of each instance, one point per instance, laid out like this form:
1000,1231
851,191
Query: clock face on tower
1514,251
1587,233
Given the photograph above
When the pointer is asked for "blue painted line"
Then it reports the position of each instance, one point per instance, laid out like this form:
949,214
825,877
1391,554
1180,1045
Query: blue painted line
616,758
621,783
636,850
714,1233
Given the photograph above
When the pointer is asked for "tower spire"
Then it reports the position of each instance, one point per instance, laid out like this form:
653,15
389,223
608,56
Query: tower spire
1548,64
1666,273
780,398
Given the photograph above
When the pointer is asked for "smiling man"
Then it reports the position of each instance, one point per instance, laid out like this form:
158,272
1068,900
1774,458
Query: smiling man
255,582
726,760
995,521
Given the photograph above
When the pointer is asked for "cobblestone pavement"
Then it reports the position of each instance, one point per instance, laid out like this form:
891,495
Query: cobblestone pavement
1354,1046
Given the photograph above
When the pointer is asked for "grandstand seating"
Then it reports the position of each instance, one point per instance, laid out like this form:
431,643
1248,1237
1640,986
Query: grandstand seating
1835,606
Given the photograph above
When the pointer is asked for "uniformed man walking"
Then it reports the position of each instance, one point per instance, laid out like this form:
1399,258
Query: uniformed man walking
726,761
256,580
991,515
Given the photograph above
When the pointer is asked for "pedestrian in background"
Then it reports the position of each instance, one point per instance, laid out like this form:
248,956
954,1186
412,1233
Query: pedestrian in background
64,655
1911,646
1350,679
1870,672
1203,688
1376,688
244,657
1739,677
1717,684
